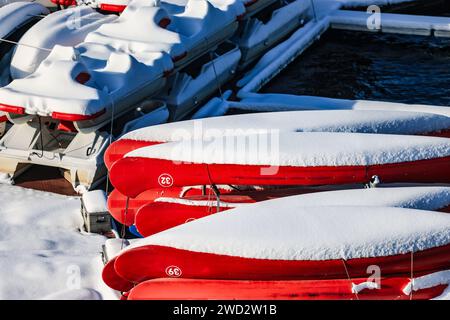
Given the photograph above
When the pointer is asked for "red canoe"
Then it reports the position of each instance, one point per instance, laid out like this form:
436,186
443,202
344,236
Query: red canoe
389,122
113,280
151,262
336,289
280,240
166,213
159,216
302,159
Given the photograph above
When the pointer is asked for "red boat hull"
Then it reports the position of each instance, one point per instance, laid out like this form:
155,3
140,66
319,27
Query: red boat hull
113,280
152,262
118,149
159,216
117,203
339,289
153,173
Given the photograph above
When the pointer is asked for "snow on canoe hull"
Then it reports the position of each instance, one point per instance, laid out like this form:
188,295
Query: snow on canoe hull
166,213
147,174
119,148
301,121
153,261
339,289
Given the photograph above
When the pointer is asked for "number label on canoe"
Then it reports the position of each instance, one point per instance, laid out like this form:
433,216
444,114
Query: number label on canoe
173,272
165,180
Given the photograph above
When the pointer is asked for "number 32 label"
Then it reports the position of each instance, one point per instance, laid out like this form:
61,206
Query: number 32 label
165,180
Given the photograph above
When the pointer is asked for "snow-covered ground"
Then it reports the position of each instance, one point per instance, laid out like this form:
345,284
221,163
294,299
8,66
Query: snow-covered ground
43,254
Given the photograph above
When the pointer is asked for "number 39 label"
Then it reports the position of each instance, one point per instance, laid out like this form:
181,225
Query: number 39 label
173,272
165,180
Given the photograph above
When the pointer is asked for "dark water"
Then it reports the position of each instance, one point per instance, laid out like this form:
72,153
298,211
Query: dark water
439,8
359,65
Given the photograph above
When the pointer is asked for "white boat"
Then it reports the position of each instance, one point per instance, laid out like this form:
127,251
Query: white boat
60,110
15,19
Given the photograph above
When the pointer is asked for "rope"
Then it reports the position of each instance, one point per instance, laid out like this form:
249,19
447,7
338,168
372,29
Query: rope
41,139
412,275
23,44
124,217
349,279
215,71
214,188
110,139
314,9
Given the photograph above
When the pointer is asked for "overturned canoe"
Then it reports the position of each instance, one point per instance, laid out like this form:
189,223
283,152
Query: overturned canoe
306,158
387,122
336,289
281,240
165,213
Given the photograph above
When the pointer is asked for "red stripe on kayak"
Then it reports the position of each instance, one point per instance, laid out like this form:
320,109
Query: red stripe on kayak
339,289
151,262
12,109
133,175
76,117
113,280
441,133
119,148
3,118
112,7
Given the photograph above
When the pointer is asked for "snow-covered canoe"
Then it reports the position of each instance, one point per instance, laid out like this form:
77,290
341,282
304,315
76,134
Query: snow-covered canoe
306,158
165,213
387,122
336,289
281,240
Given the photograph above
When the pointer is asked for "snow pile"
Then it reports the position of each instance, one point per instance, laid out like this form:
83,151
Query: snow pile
95,201
66,28
42,250
283,229
300,149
